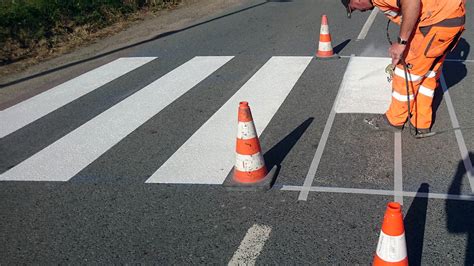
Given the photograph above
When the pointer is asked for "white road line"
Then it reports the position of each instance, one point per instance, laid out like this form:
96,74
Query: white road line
459,60
397,173
379,192
457,132
322,143
368,24
209,154
251,245
66,157
38,106
447,60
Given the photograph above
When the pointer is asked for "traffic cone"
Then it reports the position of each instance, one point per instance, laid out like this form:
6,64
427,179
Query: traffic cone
249,171
325,47
392,247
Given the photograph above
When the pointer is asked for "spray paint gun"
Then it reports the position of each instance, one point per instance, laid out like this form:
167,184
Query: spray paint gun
390,71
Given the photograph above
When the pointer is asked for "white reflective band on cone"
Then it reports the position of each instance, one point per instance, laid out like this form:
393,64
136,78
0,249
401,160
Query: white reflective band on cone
325,46
430,74
324,29
426,91
401,98
248,163
411,77
246,130
391,248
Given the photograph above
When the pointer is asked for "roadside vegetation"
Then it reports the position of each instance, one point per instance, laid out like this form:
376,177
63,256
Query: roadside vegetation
36,28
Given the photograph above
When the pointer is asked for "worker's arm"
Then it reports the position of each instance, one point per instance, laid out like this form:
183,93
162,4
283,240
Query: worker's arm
411,13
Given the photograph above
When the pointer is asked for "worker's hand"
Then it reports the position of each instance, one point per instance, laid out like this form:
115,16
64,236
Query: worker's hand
396,52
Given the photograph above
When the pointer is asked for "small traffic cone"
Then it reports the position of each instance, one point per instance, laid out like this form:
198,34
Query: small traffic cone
392,247
325,50
249,171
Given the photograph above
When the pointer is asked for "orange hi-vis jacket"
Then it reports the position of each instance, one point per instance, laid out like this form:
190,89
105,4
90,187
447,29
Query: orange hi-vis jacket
432,11
439,28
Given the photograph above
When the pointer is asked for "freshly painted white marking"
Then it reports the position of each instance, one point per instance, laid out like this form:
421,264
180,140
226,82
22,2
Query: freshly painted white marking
38,106
457,132
370,20
208,155
378,192
66,157
365,88
313,168
251,245
397,173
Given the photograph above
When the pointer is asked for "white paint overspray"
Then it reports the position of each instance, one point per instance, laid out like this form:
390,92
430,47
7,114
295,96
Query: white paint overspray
373,50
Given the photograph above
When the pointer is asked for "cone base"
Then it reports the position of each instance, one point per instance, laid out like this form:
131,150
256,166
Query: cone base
263,185
334,56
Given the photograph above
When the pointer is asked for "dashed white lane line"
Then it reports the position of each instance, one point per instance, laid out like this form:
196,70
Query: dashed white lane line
380,192
38,106
251,245
397,173
209,154
368,23
67,156
457,132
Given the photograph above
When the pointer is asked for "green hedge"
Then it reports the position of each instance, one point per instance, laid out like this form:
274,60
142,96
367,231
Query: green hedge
25,22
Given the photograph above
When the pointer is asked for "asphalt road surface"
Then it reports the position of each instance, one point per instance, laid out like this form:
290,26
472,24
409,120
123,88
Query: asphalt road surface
124,162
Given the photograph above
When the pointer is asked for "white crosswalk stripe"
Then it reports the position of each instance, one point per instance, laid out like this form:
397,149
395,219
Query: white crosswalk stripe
66,157
36,107
208,156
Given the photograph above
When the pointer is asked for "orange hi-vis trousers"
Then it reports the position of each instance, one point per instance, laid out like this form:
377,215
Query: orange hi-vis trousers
426,53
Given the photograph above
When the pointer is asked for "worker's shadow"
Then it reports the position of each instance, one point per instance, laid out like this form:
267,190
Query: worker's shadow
453,71
460,214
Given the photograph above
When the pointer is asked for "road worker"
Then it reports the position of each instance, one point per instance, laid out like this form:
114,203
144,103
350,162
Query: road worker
429,29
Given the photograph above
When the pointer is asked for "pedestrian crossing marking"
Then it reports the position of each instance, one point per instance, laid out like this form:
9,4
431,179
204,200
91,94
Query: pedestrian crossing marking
66,157
42,104
364,88
209,154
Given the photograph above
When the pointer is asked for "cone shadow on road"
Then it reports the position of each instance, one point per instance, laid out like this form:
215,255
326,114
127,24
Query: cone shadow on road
415,221
277,153
338,48
460,214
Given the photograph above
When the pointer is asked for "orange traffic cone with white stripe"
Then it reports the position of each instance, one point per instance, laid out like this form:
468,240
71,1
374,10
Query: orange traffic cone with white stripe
249,172
325,50
392,247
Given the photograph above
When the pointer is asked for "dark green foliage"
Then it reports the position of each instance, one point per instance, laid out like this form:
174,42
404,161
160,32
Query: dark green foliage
25,22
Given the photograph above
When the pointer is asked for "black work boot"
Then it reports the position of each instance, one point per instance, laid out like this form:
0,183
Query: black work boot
380,122
420,131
